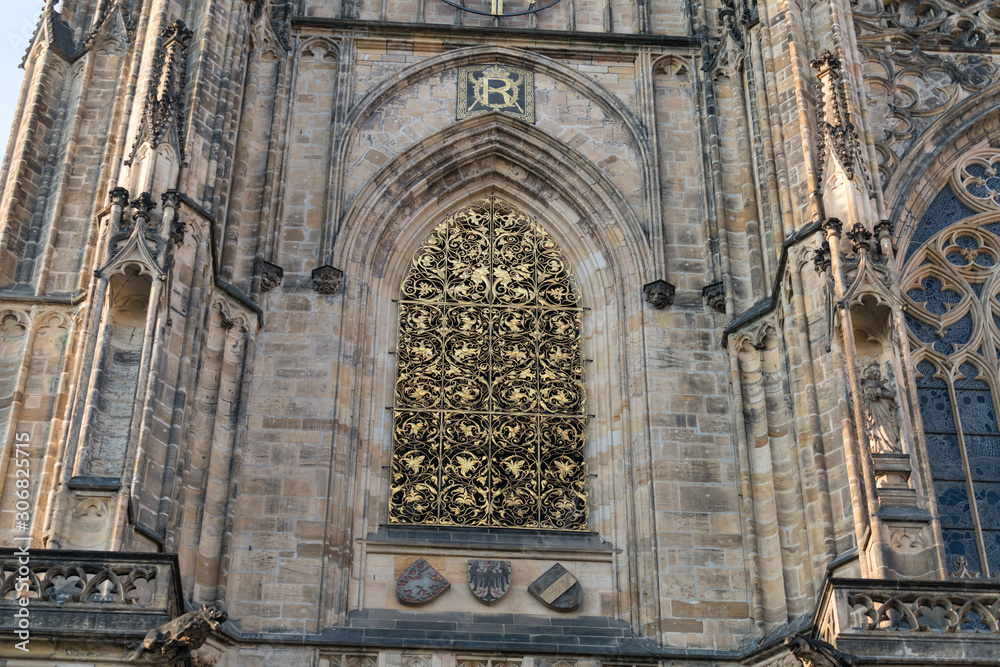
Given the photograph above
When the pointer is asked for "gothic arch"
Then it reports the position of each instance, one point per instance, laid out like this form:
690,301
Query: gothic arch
484,153
377,97
601,238
925,170
950,283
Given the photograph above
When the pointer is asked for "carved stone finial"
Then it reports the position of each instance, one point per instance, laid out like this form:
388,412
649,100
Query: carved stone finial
883,229
119,197
659,293
833,227
164,106
142,206
826,60
817,653
860,237
879,405
715,296
171,199
821,260
270,276
327,279
837,134
177,230
174,642
962,570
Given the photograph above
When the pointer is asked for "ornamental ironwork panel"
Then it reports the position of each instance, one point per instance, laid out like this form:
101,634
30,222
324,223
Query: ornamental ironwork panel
489,408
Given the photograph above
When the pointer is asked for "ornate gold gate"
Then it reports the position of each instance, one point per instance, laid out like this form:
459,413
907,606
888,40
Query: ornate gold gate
489,418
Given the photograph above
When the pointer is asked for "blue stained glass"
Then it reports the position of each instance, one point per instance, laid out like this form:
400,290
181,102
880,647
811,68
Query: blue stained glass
967,242
985,191
970,378
984,457
943,211
961,544
991,539
985,259
956,258
924,332
988,504
953,504
975,409
945,459
934,296
928,370
956,336
977,288
935,408
993,227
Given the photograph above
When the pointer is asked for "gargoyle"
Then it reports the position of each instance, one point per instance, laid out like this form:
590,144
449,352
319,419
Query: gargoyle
173,642
817,653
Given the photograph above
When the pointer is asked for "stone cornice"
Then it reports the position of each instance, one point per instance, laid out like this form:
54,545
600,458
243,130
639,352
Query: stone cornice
467,35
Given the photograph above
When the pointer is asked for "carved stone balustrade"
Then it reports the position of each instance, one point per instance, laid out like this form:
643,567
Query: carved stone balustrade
103,596
912,622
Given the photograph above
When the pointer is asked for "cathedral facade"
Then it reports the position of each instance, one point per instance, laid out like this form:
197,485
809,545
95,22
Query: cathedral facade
502,333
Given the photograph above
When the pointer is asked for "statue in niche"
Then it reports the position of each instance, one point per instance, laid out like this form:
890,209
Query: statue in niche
880,412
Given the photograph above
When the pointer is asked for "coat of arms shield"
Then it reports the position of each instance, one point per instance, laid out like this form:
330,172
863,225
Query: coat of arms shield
420,583
489,580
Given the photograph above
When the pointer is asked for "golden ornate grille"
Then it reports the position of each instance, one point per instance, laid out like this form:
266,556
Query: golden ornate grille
489,416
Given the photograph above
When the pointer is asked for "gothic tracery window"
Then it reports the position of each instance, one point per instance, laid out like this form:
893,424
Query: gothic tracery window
951,289
489,412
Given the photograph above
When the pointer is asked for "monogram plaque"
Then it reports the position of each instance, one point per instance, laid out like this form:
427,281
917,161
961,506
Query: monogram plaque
486,88
489,579
420,583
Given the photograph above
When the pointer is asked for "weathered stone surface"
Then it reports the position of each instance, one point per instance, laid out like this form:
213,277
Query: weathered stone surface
718,174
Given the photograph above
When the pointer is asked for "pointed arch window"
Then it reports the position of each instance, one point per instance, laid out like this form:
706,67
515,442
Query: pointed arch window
489,421
951,289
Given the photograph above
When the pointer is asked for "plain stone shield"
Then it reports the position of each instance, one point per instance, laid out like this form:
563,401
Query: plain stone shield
489,580
557,589
420,583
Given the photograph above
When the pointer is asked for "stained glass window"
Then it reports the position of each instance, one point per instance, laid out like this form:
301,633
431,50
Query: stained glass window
489,413
953,310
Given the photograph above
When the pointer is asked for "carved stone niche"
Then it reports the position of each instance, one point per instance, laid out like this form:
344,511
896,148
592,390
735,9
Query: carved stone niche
881,419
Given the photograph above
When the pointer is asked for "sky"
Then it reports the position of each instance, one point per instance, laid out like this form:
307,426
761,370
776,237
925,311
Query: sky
20,19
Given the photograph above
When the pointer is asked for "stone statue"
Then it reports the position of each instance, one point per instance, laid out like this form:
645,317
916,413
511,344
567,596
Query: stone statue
174,642
880,412
817,653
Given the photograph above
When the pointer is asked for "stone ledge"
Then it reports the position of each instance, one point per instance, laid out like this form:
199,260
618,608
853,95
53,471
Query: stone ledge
526,543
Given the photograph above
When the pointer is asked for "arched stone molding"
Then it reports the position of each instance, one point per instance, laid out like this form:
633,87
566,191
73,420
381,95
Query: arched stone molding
928,165
494,151
376,98
603,241
677,67
318,51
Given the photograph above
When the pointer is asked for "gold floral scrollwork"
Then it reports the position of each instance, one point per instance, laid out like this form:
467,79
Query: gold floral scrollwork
490,423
